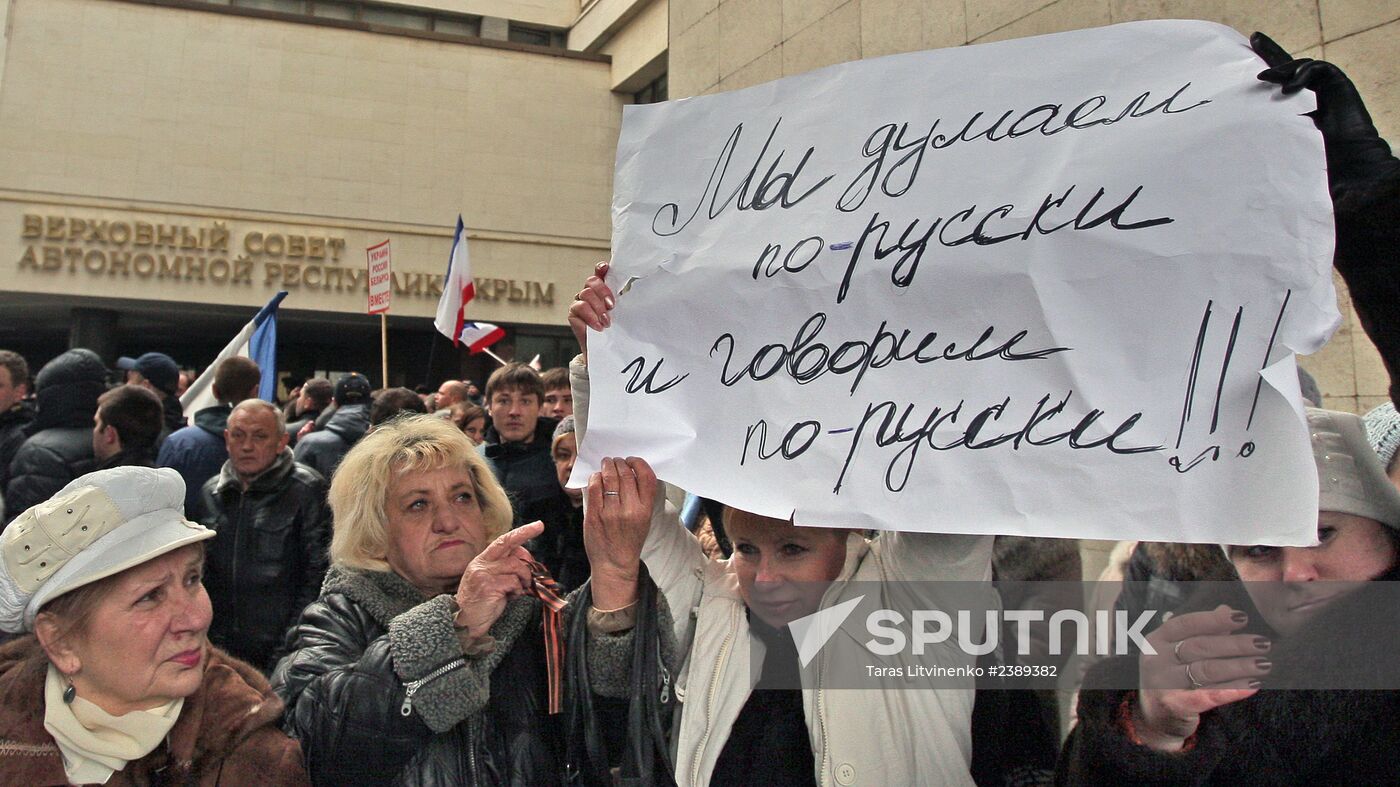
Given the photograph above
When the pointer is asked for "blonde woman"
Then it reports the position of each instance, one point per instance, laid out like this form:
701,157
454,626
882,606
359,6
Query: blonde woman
423,660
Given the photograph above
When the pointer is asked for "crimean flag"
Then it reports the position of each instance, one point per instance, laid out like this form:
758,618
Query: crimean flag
480,335
457,289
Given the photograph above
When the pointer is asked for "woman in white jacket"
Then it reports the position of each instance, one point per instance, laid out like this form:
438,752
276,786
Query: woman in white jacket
726,731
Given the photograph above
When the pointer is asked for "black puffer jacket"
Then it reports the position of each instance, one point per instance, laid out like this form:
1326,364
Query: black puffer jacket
14,428
481,721
60,441
270,556
323,449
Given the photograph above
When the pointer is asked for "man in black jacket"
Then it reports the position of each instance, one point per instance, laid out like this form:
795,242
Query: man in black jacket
125,429
59,445
517,448
15,414
197,451
323,449
274,527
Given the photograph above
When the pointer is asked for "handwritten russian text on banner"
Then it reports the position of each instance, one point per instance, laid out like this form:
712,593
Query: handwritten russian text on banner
1026,287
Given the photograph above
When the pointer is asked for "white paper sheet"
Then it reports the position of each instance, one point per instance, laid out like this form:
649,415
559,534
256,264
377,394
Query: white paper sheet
1110,231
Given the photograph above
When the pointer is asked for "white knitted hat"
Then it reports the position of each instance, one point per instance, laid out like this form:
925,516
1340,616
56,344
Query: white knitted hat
1351,477
1383,430
98,525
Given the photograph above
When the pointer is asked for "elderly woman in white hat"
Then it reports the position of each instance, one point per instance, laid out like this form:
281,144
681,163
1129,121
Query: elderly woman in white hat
1207,708
114,680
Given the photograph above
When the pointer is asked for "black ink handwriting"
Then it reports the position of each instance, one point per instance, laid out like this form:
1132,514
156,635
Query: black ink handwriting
754,192
637,366
806,358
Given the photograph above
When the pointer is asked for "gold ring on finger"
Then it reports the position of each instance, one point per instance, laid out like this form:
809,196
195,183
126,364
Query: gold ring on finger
1195,684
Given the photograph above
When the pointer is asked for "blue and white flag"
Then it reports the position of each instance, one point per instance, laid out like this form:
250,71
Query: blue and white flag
258,341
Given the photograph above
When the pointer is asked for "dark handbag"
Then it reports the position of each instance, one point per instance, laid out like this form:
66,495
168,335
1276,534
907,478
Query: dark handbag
596,737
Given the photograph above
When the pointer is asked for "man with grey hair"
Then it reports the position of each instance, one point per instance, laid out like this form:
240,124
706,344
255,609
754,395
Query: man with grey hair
274,530
197,451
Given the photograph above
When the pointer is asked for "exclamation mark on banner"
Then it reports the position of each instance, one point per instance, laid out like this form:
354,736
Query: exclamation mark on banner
1225,368
1248,447
1195,372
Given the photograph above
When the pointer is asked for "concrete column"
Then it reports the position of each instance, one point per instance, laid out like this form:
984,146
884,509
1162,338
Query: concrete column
95,329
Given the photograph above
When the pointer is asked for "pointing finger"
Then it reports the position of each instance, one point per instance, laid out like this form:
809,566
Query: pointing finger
508,541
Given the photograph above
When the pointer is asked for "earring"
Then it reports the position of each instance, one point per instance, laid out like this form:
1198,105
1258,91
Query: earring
69,693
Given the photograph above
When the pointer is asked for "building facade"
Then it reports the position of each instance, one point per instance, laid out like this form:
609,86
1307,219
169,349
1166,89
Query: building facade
167,165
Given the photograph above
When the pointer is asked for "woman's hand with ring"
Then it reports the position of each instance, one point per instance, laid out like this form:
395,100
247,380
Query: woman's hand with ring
1199,664
616,518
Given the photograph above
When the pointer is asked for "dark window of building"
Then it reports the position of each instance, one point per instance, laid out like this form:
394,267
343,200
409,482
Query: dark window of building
654,92
522,34
331,9
284,6
457,26
393,17
554,349
369,12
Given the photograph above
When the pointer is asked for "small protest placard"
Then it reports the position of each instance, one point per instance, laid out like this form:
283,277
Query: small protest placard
1048,287
381,278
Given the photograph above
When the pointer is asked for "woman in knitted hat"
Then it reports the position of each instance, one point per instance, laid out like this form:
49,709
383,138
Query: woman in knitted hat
1205,707
1383,430
114,681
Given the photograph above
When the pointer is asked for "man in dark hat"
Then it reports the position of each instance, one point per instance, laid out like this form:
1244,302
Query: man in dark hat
323,449
158,373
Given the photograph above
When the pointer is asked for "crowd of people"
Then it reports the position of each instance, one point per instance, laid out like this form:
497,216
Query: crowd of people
399,587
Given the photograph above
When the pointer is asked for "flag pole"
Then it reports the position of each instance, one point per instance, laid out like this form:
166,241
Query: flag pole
498,358
384,346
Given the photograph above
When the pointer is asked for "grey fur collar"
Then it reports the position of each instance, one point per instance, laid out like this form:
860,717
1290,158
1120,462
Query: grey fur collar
385,595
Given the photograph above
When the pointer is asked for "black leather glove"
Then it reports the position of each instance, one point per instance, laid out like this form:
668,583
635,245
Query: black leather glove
1356,154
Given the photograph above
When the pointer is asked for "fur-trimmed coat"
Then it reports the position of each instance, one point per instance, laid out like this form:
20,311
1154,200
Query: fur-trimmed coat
474,719
1278,736
227,733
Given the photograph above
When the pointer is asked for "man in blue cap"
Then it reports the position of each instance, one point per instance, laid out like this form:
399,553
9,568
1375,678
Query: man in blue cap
159,373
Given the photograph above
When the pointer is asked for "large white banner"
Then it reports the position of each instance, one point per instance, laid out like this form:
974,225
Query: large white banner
1050,287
